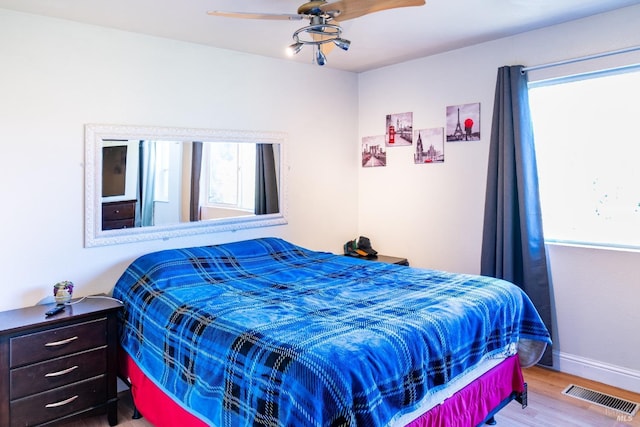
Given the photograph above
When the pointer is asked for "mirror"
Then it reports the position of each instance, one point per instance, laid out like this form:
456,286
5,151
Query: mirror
145,183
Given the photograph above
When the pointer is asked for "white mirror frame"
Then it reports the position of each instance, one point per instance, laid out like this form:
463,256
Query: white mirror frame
96,133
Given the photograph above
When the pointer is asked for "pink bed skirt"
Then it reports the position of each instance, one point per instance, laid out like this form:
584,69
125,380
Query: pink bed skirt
468,407
471,405
158,408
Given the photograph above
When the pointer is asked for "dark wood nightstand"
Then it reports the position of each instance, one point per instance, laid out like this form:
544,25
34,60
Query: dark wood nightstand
118,215
391,260
387,259
59,367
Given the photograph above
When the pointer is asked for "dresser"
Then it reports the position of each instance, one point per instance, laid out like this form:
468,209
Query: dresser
58,367
118,215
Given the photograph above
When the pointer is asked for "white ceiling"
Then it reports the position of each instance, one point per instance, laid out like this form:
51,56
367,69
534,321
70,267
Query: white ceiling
377,39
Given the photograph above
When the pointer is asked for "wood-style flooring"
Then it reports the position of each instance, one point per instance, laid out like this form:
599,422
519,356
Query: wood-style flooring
548,407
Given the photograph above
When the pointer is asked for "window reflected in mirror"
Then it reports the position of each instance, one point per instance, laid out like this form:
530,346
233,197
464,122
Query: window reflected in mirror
172,181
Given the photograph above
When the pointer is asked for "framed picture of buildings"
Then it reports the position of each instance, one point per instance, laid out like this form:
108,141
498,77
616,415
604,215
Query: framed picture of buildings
399,129
429,145
373,151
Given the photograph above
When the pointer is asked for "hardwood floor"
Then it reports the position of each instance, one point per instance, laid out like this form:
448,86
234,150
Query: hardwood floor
547,406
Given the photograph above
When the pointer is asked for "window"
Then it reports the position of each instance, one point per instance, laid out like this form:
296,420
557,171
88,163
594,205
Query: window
231,184
588,153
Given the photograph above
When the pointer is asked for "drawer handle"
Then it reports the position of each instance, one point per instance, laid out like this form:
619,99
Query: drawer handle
61,403
63,372
63,342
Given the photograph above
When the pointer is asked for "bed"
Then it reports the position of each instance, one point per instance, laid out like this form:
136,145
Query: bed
264,332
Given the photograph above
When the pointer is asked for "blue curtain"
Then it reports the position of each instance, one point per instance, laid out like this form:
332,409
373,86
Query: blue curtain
513,242
146,184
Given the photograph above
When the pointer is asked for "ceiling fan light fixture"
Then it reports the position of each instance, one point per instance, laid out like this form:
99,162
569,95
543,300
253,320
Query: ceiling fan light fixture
294,48
342,43
318,33
321,59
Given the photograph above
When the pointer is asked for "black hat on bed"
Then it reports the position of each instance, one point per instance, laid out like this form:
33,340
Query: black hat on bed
360,247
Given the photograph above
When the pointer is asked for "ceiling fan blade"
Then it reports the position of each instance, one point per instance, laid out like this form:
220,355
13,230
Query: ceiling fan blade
248,15
350,9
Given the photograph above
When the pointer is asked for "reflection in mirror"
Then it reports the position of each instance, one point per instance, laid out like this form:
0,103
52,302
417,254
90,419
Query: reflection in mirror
146,183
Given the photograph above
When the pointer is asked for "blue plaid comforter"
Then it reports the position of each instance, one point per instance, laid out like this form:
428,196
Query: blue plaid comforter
266,333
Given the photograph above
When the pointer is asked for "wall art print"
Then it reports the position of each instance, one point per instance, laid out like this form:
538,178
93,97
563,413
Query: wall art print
373,151
399,129
429,145
463,122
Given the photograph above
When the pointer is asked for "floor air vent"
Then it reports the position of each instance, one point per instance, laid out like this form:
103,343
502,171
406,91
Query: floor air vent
602,399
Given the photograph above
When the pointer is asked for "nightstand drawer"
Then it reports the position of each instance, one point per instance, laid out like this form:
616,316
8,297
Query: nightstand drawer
59,402
57,342
117,224
118,210
57,372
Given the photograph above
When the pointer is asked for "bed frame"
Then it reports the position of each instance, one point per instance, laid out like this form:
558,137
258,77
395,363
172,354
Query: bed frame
520,397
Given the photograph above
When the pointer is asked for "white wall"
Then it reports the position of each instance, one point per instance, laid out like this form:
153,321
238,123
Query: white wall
56,76
432,214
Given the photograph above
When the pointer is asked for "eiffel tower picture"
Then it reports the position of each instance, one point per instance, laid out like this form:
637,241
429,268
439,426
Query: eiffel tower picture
463,122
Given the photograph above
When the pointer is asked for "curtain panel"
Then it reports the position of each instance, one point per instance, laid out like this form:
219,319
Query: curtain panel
196,171
145,204
513,241
266,187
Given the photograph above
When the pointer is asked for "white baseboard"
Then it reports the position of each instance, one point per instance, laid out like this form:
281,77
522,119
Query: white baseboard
595,370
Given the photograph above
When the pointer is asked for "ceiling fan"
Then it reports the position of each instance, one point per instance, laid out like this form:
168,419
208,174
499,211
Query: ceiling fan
323,31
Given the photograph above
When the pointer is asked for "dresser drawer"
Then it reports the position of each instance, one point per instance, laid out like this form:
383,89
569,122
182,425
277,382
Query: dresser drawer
57,342
59,402
57,372
118,210
117,224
